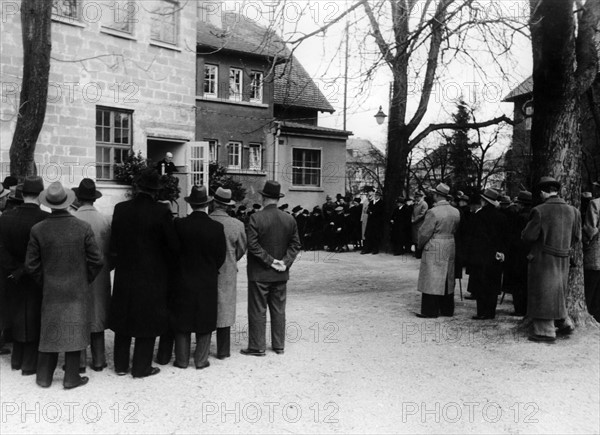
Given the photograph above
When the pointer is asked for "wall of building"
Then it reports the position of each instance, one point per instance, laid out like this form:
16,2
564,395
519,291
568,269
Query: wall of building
96,68
333,167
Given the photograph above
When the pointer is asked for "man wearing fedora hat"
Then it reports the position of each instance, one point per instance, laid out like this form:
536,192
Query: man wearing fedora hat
195,297
419,210
436,242
486,252
273,245
63,256
25,294
142,243
235,237
553,228
87,194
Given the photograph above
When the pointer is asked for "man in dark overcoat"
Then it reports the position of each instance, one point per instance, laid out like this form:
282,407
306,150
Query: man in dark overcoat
401,228
273,245
196,294
553,228
64,258
143,240
24,294
487,250
374,230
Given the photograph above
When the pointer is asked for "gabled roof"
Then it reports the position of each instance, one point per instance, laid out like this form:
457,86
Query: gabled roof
362,150
242,35
294,87
525,88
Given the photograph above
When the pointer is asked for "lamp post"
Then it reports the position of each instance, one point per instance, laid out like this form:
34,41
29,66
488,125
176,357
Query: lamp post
380,116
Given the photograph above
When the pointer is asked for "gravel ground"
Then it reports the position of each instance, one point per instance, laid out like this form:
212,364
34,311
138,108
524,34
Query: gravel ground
356,360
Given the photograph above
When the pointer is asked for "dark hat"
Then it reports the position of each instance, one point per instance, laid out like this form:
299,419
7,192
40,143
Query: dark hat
327,198
198,196
338,196
149,179
3,192
256,206
586,195
272,189
339,208
223,196
33,185
524,197
368,188
241,208
16,193
462,197
316,208
491,196
87,190
505,199
305,211
419,193
283,207
357,200
10,181
57,197
548,182
296,209
441,189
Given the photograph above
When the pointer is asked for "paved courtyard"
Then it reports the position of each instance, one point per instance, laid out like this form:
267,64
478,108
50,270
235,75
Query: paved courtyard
356,360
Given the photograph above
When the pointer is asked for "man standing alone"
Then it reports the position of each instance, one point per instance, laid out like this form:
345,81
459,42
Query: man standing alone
273,245
553,228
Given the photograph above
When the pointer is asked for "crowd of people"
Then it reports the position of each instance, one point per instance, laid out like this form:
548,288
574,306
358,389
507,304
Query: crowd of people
175,277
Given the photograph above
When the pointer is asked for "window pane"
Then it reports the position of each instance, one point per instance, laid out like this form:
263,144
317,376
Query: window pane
65,8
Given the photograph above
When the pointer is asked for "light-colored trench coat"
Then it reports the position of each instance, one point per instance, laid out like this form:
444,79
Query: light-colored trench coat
235,238
418,215
553,228
591,238
101,286
436,238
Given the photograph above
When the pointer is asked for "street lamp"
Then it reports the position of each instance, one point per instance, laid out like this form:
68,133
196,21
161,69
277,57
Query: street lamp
380,116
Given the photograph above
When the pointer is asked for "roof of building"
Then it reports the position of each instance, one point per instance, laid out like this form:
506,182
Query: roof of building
240,34
525,88
297,126
294,87
360,150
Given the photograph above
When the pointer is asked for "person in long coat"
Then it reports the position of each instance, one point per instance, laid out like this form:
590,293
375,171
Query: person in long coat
591,258
419,210
87,194
142,243
401,230
436,242
273,245
195,300
25,295
64,258
553,228
487,249
374,230
235,237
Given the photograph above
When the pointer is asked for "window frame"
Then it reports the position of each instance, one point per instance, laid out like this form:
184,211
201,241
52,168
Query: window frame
214,94
254,145
155,20
256,87
304,167
236,96
231,145
129,12
113,146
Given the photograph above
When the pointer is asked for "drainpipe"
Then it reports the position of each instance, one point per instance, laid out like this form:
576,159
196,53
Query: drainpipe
276,151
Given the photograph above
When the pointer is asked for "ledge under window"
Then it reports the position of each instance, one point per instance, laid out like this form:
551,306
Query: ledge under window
246,172
227,101
117,33
165,45
68,20
306,189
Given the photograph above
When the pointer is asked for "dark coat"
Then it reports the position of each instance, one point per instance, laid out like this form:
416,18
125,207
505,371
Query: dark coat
63,256
24,295
487,235
515,267
553,228
401,227
272,235
142,243
376,212
460,238
203,250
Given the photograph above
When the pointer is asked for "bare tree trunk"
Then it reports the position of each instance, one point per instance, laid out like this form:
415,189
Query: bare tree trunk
36,26
556,128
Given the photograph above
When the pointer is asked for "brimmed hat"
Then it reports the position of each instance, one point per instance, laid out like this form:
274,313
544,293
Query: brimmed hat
33,185
283,207
198,196
316,208
57,197
241,208
463,197
419,193
586,195
441,189
4,192
256,206
10,181
524,197
16,193
223,196
491,196
548,182
339,208
296,209
87,190
149,179
272,189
